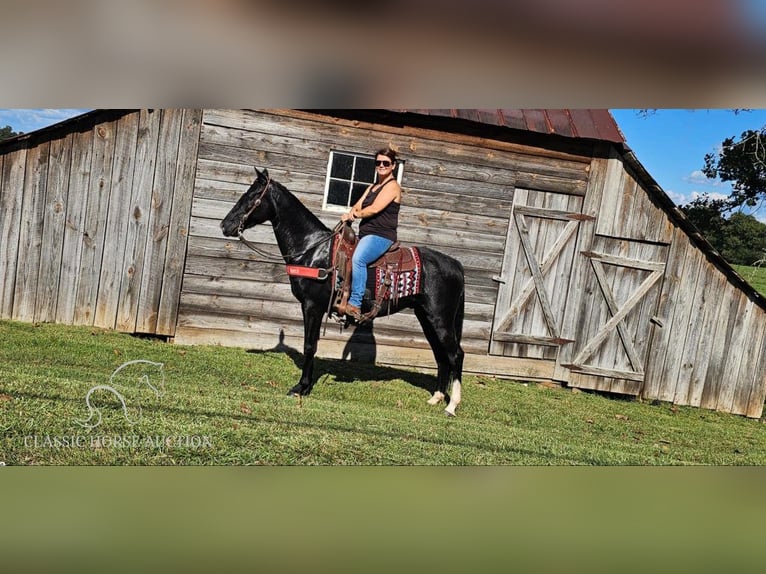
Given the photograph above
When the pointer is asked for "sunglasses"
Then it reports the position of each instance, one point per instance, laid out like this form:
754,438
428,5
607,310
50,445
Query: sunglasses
383,163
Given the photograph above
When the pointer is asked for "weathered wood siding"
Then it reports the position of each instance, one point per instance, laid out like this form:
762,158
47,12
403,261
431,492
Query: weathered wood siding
693,338
458,193
94,220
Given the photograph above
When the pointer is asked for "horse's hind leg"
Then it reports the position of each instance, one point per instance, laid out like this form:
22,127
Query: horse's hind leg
448,355
442,372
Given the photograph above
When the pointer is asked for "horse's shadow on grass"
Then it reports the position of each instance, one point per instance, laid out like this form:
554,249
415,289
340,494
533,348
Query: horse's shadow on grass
357,364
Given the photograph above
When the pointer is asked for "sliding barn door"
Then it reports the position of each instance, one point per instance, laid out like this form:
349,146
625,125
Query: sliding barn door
537,265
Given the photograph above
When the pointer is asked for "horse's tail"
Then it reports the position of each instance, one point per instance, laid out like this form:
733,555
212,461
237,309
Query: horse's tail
459,315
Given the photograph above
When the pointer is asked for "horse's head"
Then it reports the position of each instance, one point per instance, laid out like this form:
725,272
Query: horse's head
253,207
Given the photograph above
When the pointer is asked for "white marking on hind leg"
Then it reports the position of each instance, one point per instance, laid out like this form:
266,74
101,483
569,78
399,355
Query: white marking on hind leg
454,398
437,397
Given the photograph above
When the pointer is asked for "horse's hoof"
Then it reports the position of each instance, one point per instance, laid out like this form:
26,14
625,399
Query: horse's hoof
437,397
449,413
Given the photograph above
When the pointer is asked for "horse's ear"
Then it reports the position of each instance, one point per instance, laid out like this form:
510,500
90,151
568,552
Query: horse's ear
266,173
257,173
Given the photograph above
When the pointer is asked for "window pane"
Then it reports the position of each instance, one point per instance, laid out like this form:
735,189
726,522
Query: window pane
357,192
338,192
365,169
341,166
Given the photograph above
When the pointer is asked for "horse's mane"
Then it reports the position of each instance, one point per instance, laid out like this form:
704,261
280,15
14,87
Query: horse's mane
297,210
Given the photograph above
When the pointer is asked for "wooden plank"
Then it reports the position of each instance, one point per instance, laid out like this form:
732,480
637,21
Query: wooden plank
575,309
56,202
600,380
626,261
728,318
612,194
603,372
32,216
741,340
159,221
77,202
548,213
93,233
700,337
642,324
758,386
107,302
675,304
527,339
242,288
537,276
139,212
747,375
183,193
507,274
11,200
659,228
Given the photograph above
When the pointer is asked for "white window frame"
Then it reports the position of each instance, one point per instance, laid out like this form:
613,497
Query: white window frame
333,207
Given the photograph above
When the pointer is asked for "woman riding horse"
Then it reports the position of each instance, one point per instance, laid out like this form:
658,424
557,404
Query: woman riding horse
305,241
378,208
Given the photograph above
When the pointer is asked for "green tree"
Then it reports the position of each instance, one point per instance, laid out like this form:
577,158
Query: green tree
740,238
7,132
743,163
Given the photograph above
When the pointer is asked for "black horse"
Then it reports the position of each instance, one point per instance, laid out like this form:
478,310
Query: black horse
305,241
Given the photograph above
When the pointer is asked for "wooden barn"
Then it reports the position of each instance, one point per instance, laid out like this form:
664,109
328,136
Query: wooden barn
579,269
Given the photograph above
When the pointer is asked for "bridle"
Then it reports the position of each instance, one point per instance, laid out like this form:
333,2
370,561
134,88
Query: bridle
269,257
250,211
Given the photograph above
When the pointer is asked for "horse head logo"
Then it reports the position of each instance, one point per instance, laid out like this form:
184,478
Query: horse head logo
118,387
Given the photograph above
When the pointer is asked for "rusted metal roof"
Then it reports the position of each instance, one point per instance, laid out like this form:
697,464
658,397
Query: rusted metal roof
574,123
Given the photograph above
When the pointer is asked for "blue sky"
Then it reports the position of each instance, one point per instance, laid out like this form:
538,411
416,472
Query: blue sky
671,144
29,120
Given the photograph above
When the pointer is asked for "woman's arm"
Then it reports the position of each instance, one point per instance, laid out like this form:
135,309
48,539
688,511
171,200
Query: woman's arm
350,215
386,196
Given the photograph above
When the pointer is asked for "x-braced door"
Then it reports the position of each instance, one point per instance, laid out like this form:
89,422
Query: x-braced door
536,270
618,301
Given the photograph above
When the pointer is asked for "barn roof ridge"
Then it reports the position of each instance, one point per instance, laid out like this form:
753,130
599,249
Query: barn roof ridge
598,124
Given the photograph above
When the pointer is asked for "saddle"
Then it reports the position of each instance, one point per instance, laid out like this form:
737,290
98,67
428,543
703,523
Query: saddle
395,267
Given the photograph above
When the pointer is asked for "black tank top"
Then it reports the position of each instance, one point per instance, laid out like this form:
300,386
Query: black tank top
385,222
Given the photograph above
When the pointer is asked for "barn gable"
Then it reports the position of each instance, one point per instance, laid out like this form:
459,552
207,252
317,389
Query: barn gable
579,268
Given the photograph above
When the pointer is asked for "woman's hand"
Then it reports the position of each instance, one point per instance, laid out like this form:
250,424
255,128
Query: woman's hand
348,216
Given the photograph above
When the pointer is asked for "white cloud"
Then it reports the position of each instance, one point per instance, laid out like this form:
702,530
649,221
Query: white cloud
713,195
682,198
698,178
678,198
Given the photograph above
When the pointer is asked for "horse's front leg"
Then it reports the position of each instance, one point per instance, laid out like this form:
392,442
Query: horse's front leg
312,323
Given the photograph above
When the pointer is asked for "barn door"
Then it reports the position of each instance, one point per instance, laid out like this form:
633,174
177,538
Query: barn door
618,302
536,269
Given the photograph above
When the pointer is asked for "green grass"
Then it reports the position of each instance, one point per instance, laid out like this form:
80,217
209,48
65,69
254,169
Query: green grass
756,276
230,407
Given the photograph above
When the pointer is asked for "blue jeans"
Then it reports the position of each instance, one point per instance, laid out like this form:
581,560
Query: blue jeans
370,247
